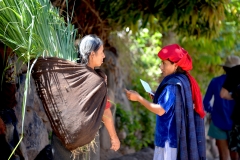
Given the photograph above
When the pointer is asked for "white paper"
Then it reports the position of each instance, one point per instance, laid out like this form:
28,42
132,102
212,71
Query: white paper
146,87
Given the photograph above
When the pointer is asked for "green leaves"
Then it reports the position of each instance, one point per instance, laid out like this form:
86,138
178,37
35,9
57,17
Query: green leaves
139,124
138,134
198,18
34,28
208,54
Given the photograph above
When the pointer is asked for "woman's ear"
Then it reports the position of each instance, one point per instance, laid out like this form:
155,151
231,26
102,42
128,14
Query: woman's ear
175,65
92,54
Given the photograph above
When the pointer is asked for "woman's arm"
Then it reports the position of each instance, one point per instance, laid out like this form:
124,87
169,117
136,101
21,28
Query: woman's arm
155,108
109,124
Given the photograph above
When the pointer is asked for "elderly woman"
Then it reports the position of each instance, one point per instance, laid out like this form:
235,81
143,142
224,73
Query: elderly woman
177,103
91,57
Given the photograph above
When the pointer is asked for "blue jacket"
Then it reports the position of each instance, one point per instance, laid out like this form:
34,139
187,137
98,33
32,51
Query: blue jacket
166,129
221,109
189,125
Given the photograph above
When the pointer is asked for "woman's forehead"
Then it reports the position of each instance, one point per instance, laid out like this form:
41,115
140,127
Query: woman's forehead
165,60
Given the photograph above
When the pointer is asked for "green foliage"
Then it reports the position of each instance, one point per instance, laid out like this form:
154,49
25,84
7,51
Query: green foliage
144,48
35,28
198,18
140,123
139,127
208,54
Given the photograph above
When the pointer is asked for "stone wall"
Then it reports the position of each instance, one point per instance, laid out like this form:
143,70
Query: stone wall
36,128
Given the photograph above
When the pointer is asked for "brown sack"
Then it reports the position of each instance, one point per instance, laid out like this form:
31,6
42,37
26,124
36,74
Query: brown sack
74,97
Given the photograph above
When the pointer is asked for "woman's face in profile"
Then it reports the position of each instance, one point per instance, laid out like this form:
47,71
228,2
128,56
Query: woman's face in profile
167,67
97,58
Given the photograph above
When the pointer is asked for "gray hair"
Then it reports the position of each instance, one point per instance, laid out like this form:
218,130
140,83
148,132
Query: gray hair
88,44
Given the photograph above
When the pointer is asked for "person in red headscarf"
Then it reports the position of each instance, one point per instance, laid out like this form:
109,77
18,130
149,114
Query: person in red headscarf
177,103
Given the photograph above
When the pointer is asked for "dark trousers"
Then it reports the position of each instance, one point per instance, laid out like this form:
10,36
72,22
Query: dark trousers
234,139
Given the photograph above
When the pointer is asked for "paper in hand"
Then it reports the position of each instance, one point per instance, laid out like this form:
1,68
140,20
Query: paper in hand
147,87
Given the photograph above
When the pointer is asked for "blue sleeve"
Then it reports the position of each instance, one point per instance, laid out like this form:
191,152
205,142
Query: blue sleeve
167,97
208,96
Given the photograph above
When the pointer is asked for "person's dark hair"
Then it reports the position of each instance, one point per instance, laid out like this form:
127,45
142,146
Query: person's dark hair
179,69
88,44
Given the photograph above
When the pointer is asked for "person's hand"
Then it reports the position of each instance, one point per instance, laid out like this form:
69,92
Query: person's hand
2,127
132,95
115,143
151,96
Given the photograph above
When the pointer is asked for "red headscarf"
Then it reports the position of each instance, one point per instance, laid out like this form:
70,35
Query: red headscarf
178,55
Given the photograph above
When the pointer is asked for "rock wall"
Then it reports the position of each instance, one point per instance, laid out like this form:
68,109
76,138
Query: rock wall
36,127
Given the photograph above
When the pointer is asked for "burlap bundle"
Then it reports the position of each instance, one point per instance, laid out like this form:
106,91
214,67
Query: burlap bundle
74,98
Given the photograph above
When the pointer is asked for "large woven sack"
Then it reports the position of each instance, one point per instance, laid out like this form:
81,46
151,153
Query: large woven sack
74,98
